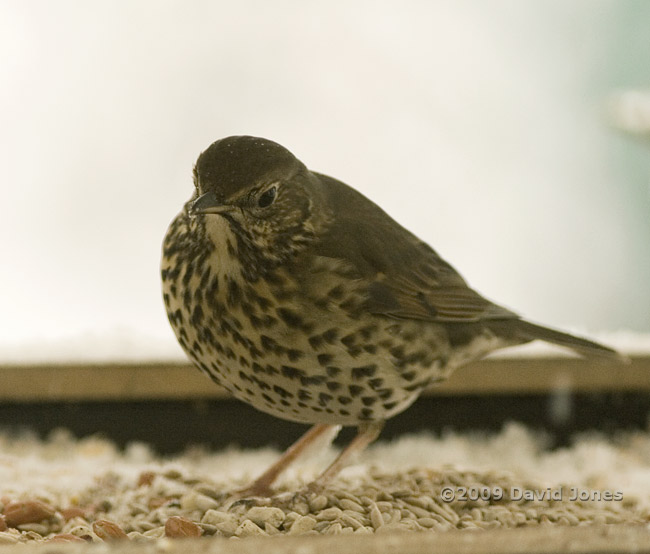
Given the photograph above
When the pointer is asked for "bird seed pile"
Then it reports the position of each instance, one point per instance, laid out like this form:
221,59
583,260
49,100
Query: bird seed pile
64,489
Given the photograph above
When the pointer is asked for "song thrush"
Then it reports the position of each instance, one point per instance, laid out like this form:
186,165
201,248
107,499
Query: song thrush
305,299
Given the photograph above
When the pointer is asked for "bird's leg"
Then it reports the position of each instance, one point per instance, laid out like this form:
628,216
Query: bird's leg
367,434
262,485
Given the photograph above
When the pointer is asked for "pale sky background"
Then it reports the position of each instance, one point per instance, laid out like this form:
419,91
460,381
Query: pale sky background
480,125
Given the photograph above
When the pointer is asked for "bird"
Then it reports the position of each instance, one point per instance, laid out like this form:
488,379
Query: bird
306,300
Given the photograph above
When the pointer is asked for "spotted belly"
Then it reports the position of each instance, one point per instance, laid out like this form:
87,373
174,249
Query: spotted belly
298,362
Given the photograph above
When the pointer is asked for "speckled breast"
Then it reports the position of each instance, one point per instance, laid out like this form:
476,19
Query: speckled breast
300,348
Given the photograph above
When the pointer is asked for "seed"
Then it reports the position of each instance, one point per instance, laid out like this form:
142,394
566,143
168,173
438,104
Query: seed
291,518
35,527
225,523
261,515
419,512
214,517
72,512
65,537
446,512
334,529
79,530
318,503
396,516
8,538
270,530
341,494
197,501
177,527
227,529
387,529
421,501
302,525
376,518
347,504
361,518
427,522
136,536
301,507
30,511
155,533
329,514
208,529
108,530
409,525
248,529
349,521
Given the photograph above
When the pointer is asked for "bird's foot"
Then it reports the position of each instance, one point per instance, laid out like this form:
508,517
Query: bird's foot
298,500
255,495
246,503
249,497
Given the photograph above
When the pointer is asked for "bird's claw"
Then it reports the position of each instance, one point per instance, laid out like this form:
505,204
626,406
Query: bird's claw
249,497
247,502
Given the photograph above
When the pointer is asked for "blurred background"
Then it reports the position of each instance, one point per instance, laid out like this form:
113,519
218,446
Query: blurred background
512,136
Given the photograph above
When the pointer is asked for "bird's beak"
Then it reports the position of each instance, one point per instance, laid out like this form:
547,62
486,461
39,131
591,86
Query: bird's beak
208,203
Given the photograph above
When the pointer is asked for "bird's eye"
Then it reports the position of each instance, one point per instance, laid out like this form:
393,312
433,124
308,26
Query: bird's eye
267,197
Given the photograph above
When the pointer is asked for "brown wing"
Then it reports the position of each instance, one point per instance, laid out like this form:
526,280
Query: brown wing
406,278
403,298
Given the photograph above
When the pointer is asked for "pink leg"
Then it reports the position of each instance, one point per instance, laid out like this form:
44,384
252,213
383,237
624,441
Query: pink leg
262,485
365,436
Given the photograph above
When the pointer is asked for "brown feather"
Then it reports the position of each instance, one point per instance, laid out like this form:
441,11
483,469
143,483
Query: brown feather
406,278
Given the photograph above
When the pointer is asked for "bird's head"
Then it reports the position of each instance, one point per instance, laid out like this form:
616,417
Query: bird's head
263,192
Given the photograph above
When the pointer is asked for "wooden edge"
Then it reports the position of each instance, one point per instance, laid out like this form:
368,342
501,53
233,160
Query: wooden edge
178,381
614,539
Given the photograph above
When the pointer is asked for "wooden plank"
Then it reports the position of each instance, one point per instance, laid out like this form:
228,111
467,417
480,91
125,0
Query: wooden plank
614,539
160,381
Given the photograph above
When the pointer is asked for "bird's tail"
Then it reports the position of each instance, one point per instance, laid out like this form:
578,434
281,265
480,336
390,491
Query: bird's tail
530,331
